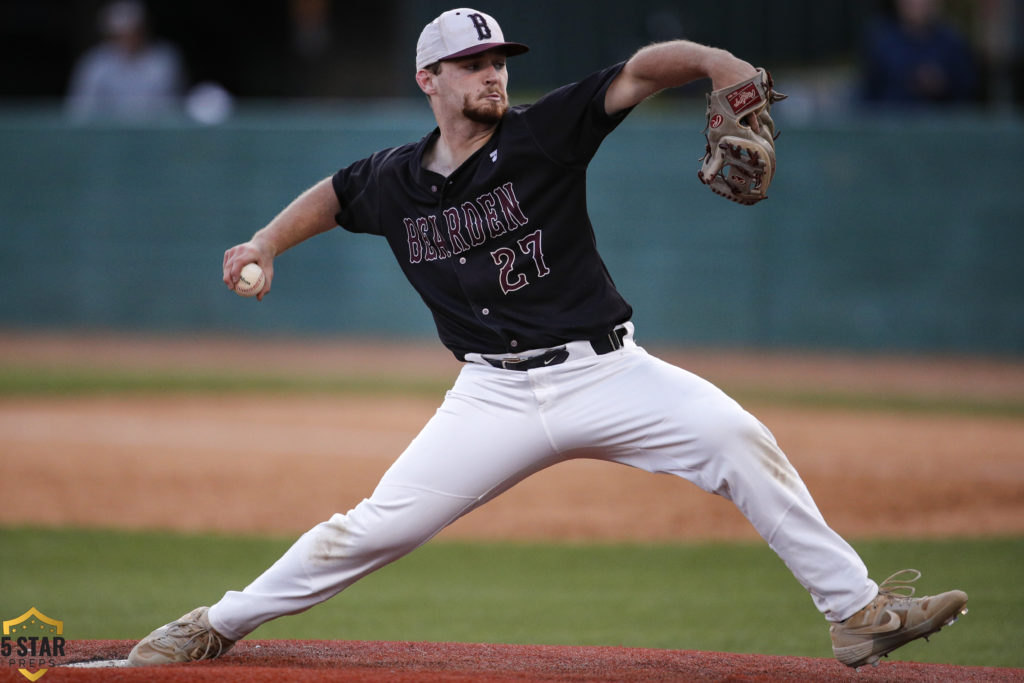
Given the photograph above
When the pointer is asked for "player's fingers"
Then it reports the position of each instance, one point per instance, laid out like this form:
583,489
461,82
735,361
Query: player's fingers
753,122
235,259
268,273
226,276
232,267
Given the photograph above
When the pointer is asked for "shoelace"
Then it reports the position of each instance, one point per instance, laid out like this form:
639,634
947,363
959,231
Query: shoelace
900,586
193,631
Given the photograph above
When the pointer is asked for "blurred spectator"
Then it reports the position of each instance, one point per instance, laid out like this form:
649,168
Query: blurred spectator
128,76
916,57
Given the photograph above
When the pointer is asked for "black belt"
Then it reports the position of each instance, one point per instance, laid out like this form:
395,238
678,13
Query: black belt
604,344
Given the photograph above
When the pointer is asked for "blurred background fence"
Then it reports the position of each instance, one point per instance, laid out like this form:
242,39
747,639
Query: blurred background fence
891,227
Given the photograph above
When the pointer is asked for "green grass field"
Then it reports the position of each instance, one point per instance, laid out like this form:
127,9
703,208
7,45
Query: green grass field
25,380
713,597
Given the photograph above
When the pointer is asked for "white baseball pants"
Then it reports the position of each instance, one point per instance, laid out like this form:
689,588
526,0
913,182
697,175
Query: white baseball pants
496,427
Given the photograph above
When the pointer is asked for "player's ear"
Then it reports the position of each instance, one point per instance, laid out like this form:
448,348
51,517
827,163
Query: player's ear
426,80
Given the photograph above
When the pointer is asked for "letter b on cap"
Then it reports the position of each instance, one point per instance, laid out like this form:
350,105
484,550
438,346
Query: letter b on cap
483,31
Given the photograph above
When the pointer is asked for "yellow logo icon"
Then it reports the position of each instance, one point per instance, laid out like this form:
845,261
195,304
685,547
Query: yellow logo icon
32,641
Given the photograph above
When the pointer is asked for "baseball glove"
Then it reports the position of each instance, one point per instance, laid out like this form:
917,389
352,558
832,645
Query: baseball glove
739,163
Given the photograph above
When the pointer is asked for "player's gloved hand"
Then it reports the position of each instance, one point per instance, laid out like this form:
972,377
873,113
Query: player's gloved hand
739,160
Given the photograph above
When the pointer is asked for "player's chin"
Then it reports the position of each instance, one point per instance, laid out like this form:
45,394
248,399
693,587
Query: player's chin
486,111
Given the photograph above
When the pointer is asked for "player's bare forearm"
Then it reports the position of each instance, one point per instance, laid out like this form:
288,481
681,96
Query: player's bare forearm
310,214
669,65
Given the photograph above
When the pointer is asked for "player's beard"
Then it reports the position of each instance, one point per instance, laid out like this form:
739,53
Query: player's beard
485,111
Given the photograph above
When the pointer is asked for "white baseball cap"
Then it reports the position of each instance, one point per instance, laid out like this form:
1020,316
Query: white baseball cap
460,33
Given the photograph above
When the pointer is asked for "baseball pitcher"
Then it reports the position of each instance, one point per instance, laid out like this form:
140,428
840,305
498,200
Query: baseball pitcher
487,217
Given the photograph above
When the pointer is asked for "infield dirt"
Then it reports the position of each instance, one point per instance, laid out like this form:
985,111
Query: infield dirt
874,472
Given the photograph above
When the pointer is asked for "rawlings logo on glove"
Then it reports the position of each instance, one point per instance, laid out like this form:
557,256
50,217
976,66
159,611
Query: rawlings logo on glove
738,162
743,97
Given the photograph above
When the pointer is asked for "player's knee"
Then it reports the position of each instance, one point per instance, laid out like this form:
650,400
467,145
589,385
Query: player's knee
743,452
361,533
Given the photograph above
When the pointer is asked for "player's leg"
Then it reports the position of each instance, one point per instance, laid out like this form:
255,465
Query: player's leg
660,418
486,436
740,460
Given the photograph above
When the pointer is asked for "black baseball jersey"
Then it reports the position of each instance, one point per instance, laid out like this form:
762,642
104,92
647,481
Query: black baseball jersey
502,251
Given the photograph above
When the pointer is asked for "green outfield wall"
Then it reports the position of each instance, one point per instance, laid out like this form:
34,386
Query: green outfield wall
880,234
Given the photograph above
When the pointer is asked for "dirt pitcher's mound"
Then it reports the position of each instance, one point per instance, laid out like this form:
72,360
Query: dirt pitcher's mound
326,660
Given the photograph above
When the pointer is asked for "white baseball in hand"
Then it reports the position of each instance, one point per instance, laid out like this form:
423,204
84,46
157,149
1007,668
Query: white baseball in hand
250,281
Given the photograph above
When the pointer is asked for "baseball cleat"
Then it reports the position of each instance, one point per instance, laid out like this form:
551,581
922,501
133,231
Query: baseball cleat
188,639
893,619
